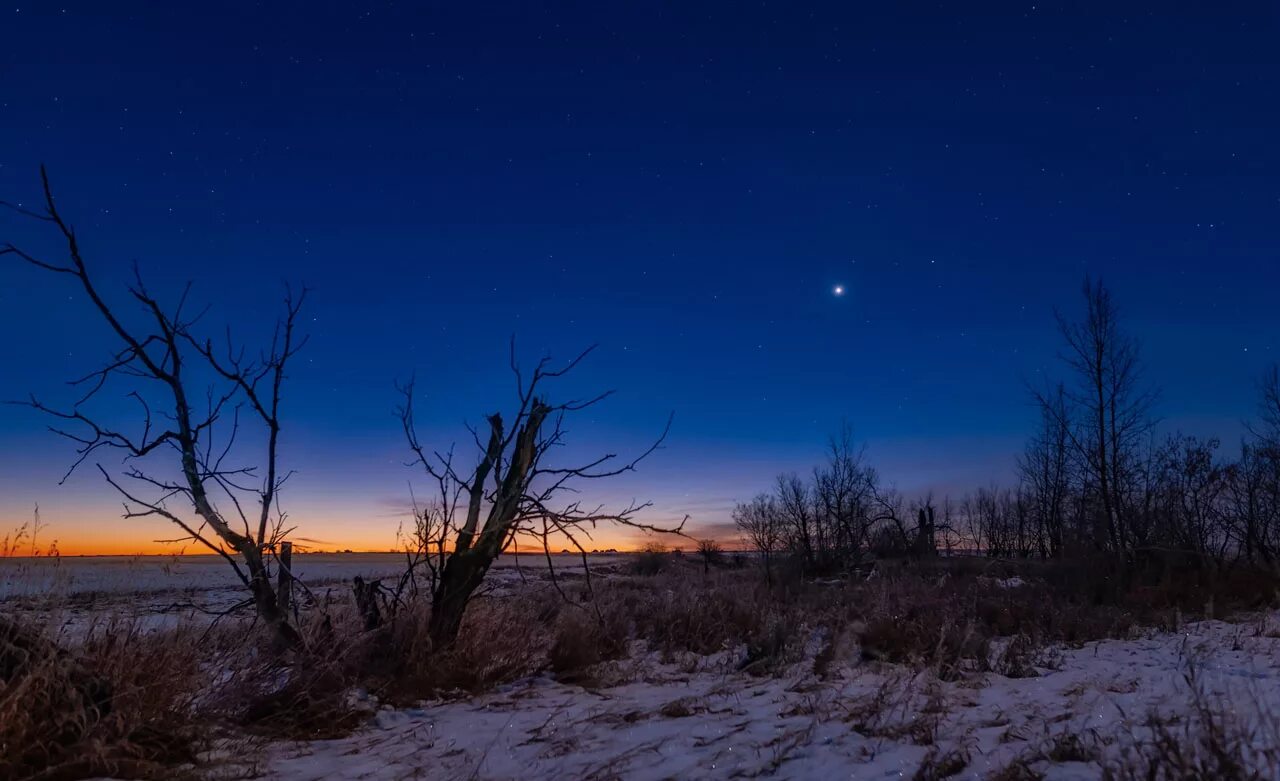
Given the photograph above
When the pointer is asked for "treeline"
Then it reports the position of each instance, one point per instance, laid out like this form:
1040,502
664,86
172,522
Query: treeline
1096,477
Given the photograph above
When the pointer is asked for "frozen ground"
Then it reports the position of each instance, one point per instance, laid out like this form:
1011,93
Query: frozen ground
165,589
696,717
864,722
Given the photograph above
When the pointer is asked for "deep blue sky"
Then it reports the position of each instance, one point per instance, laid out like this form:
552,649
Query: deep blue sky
683,184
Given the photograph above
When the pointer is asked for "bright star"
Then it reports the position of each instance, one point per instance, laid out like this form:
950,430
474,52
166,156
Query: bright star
839,290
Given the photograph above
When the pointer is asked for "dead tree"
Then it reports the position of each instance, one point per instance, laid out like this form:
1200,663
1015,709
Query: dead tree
710,552
796,508
1269,408
843,490
200,394
760,523
517,491
1112,409
926,543
1254,480
1045,470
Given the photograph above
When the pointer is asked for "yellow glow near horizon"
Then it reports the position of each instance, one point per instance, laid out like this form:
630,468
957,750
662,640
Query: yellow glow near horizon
83,529
143,542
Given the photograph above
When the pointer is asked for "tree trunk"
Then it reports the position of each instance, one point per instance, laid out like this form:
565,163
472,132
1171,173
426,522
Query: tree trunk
465,568
266,602
366,595
284,579
462,575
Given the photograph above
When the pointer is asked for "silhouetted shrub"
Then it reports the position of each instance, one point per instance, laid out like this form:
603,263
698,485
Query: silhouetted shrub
652,560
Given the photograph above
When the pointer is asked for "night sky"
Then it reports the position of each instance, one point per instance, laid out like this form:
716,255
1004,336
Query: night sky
685,184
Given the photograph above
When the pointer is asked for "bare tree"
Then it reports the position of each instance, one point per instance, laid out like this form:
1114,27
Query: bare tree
1044,468
1253,498
926,541
1269,407
1251,492
516,490
235,505
1190,492
843,492
710,552
828,522
760,522
425,547
1112,410
796,509
888,524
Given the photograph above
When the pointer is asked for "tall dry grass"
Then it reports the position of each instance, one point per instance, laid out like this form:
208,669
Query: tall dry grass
120,704
1209,740
128,702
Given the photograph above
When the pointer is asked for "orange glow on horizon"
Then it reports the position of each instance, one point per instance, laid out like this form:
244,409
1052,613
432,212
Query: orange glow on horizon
83,532
139,545
162,549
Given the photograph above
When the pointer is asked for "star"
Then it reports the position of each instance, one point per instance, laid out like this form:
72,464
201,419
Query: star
838,290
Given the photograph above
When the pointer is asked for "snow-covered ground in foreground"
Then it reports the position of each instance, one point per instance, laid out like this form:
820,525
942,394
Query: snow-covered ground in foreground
698,717
864,722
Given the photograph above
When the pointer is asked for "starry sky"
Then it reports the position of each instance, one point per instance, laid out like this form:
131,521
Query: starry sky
685,184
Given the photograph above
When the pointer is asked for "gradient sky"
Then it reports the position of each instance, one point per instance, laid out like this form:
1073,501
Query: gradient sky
682,183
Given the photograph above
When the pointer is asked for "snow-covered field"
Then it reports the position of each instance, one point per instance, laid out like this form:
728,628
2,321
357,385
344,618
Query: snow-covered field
163,590
688,716
864,722
22,576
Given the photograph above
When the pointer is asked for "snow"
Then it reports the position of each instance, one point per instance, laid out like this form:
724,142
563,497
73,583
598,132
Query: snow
698,719
662,717
132,575
163,591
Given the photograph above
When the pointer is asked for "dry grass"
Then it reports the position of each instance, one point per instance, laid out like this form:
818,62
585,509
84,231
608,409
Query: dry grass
652,560
141,704
1017,770
583,639
119,705
125,701
940,764
501,640
902,708
681,611
305,694
1207,742
945,620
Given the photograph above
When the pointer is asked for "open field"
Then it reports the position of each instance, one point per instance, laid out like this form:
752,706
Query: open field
167,589
956,671
22,576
